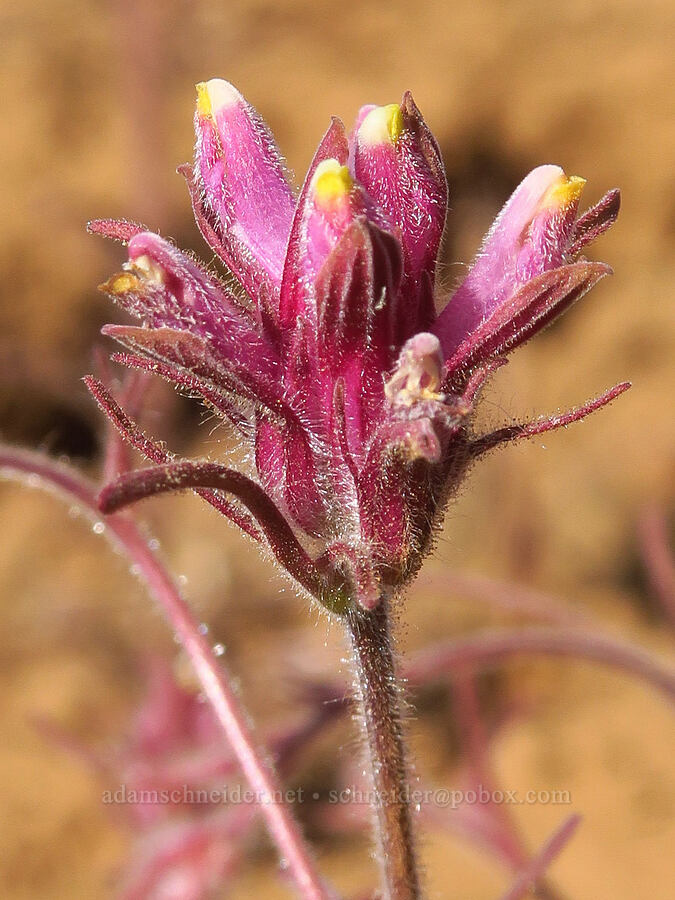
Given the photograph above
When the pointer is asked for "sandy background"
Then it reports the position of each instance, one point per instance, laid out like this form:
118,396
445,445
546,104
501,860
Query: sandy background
97,103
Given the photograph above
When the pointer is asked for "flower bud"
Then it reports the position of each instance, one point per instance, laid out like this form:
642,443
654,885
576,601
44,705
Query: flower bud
530,236
397,161
239,169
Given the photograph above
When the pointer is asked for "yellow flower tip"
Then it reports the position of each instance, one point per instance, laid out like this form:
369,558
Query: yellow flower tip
382,125
331,183
203,100
122,283
215,95
139,273
564,192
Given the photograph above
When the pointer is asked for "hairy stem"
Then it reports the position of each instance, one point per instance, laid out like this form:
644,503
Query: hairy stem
379,705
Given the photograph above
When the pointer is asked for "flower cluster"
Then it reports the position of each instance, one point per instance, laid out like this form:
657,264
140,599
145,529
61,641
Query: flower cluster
324,349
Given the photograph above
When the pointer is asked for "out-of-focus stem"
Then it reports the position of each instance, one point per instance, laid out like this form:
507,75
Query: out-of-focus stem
468,717
215,684
379,706
145,63
538,865
505,831
658,559
505,597
492,647
210,671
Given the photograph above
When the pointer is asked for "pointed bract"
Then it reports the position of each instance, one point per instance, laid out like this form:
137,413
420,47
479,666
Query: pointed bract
533,306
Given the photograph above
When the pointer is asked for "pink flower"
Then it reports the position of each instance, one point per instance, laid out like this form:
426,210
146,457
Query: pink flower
327,354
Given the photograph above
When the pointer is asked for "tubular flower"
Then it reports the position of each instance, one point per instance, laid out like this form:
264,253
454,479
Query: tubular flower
328,356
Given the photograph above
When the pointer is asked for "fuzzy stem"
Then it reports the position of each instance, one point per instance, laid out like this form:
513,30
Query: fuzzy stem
379,703
210,672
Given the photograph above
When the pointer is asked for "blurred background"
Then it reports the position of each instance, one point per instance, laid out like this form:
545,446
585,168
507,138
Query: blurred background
97,102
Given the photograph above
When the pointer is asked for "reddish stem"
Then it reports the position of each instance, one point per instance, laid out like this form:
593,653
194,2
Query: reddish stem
210,671
533,872
505,597
379,705
468,716
490,647
658,559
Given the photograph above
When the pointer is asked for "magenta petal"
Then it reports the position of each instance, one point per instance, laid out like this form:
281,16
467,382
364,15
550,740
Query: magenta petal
329,206
288,471
297,271
530,236
164,286
330,202
398,162
356,292
242,178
